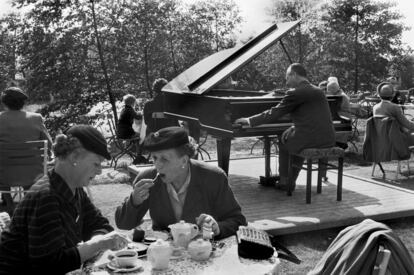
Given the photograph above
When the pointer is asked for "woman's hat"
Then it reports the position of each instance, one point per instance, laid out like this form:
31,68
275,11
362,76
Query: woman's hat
385,89
91,139
166,138
332,88
15,92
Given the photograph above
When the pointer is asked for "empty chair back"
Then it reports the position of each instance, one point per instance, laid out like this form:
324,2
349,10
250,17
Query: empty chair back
355,251
22,163
385,141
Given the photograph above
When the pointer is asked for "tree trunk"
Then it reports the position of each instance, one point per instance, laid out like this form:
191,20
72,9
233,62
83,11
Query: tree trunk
146,61
103,65
171,42
356,53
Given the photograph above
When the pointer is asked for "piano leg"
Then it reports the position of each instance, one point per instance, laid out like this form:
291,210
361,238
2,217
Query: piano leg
268,180
266,142
223,153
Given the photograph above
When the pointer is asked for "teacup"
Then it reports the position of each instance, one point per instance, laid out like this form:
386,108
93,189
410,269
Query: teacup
126,258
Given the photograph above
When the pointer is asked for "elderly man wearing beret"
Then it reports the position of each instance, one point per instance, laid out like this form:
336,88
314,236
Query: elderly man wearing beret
180,188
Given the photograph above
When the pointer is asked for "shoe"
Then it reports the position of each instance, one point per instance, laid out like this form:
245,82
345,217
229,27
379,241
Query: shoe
268,181
140,160
282,184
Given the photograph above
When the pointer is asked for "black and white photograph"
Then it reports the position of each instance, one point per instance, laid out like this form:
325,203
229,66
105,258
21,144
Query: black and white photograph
198,137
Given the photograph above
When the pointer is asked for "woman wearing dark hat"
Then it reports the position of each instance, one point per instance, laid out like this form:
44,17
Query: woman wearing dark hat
180,188
55,228
17,125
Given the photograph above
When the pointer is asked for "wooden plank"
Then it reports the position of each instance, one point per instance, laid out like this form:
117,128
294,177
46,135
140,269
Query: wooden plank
272,210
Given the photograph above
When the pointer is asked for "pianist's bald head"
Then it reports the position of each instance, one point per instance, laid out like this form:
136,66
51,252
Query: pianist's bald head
298,69
295,74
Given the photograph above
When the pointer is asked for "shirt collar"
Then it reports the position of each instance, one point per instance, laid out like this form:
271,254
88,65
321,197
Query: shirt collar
184,187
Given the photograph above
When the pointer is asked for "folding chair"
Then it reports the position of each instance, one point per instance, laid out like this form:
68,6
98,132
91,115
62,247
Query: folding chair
21,164
380,147
123,147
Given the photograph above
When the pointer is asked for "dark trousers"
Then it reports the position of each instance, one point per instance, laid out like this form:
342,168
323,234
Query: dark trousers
284,162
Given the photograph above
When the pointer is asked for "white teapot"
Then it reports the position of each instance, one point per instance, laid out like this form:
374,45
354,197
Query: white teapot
159,254
200,250
183,232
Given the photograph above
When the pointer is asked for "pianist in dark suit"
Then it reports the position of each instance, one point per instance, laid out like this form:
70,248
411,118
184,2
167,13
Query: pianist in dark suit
311,116
155,106
180,188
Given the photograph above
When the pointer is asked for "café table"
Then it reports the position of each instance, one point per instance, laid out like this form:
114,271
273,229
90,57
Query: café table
224,260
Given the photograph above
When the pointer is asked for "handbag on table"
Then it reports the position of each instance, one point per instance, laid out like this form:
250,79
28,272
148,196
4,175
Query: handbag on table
259,245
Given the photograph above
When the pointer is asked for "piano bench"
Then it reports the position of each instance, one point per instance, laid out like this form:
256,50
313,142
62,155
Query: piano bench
322,155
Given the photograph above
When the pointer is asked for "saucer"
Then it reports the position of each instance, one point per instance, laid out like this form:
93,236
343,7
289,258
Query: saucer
160,235
140,248
155,235
112,265
177,253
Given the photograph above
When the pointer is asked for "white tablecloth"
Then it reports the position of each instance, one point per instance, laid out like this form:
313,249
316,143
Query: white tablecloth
223,261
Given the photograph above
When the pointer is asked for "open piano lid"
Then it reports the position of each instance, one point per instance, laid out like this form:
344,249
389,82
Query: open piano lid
204,75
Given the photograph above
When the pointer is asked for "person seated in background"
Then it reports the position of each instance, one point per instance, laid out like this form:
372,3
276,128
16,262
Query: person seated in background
347,108
56,227
332,88
398,97
386,108
180,188
126,118
17,125
311,117
156,105
322,85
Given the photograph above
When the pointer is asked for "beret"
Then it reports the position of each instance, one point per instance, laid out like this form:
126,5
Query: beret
166,138
91,139
15,92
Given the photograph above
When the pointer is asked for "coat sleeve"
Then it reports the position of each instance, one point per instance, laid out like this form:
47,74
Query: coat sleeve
288,103
402,120
227,210
44,134
128,215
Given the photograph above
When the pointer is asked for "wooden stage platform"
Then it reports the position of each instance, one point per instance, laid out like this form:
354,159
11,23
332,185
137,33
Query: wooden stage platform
272,210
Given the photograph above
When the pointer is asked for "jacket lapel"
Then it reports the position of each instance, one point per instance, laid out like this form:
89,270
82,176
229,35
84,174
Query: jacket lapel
194,196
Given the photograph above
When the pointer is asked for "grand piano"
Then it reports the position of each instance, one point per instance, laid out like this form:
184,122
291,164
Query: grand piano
193,97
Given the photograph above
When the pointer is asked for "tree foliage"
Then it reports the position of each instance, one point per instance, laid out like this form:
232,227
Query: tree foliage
53,46
342,36
140,40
